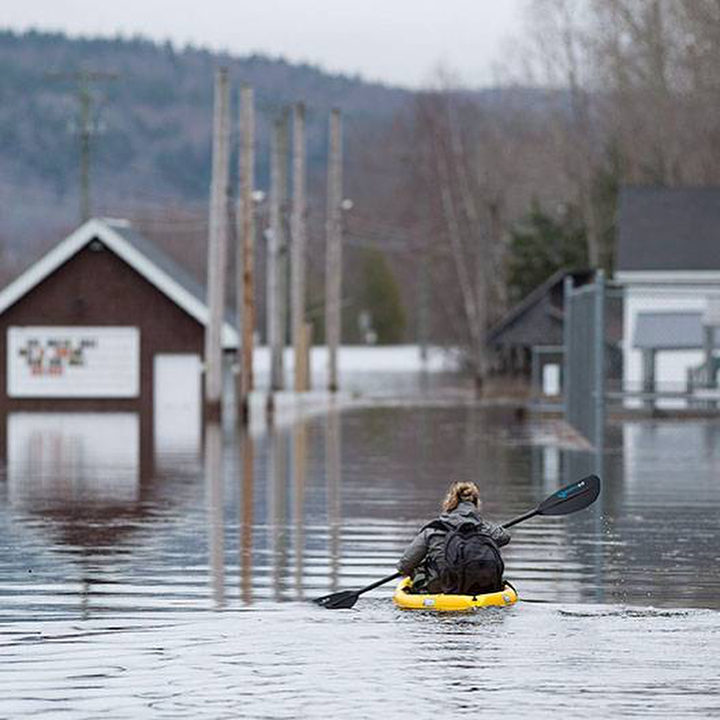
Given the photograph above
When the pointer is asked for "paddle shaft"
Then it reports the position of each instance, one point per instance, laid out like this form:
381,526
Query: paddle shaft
395,576
519,519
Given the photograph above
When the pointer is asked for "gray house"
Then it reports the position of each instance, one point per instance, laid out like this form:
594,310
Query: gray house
668,260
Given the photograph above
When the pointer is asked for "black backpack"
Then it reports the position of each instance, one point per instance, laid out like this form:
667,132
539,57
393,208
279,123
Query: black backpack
472,562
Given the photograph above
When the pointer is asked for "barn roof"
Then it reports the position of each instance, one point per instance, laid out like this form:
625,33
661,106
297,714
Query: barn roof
137,251
666,229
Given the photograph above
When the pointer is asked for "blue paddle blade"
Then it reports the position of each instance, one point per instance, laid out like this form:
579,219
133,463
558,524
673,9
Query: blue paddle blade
571,498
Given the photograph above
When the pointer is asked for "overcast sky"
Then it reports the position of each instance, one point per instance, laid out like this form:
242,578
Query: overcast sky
396,41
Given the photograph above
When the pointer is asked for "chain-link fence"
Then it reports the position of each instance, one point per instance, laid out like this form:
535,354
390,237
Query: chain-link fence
584,367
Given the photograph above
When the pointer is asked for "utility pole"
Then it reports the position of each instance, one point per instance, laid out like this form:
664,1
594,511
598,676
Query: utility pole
333,231
86,128
245,252
217,245
298,241
277,258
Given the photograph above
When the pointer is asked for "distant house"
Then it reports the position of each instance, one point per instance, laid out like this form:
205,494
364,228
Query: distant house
533,327
103,321
668,260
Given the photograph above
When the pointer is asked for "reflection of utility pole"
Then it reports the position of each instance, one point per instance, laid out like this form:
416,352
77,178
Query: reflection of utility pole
86,128
333,473
247,453
277,475
214,499
299,469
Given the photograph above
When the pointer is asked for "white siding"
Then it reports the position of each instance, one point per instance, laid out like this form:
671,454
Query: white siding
671,367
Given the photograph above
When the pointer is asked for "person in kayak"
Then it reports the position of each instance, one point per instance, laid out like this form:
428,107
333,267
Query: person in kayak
458,551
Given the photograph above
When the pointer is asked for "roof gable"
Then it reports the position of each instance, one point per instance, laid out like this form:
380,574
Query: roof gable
144,257
537,318
667,229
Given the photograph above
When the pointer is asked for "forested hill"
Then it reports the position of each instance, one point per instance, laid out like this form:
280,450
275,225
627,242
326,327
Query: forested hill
152,122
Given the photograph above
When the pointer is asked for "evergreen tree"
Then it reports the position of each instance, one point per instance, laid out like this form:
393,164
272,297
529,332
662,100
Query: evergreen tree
541,245
381,299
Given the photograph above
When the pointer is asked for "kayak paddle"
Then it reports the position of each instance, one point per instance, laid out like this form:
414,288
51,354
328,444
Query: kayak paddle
566,500
347,598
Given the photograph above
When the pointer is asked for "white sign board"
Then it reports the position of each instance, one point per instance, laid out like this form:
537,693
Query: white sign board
73,362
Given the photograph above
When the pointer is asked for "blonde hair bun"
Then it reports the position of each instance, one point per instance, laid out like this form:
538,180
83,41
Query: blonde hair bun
461,492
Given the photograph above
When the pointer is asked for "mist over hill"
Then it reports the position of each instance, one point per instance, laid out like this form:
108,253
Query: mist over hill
151,123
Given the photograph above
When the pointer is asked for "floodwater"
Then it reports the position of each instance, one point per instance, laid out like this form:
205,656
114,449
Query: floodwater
170,576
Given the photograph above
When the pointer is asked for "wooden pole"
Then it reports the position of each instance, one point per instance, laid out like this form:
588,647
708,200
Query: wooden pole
283,257
298,242
271,319
245,253
277,257
217,245
333,229
302,358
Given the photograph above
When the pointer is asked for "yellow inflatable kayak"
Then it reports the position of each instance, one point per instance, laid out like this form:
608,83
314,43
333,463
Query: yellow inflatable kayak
441,602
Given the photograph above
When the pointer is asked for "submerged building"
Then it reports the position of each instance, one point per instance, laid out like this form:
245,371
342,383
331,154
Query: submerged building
105,321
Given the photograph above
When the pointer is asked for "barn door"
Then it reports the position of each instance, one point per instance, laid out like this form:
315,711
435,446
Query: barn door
177,401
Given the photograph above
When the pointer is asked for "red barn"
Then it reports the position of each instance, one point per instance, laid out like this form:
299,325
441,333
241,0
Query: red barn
99,323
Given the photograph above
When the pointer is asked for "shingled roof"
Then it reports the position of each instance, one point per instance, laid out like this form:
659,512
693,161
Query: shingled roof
665,229
538,318
137,251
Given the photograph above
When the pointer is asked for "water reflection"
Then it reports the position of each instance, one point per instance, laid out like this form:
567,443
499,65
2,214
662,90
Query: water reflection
215,509
64,459
246,452
333,474
298,480
143,551
278,474
329,502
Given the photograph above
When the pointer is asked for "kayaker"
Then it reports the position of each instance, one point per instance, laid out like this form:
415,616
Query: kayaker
458,551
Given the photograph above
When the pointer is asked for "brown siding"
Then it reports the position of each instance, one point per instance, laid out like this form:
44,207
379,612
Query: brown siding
98,288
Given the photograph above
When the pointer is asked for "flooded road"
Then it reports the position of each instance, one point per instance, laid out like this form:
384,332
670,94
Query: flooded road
169,577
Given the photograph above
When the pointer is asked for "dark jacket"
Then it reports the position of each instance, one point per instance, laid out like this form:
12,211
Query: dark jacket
429,542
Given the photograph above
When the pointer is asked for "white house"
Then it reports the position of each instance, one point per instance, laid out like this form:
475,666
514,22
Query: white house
668,260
